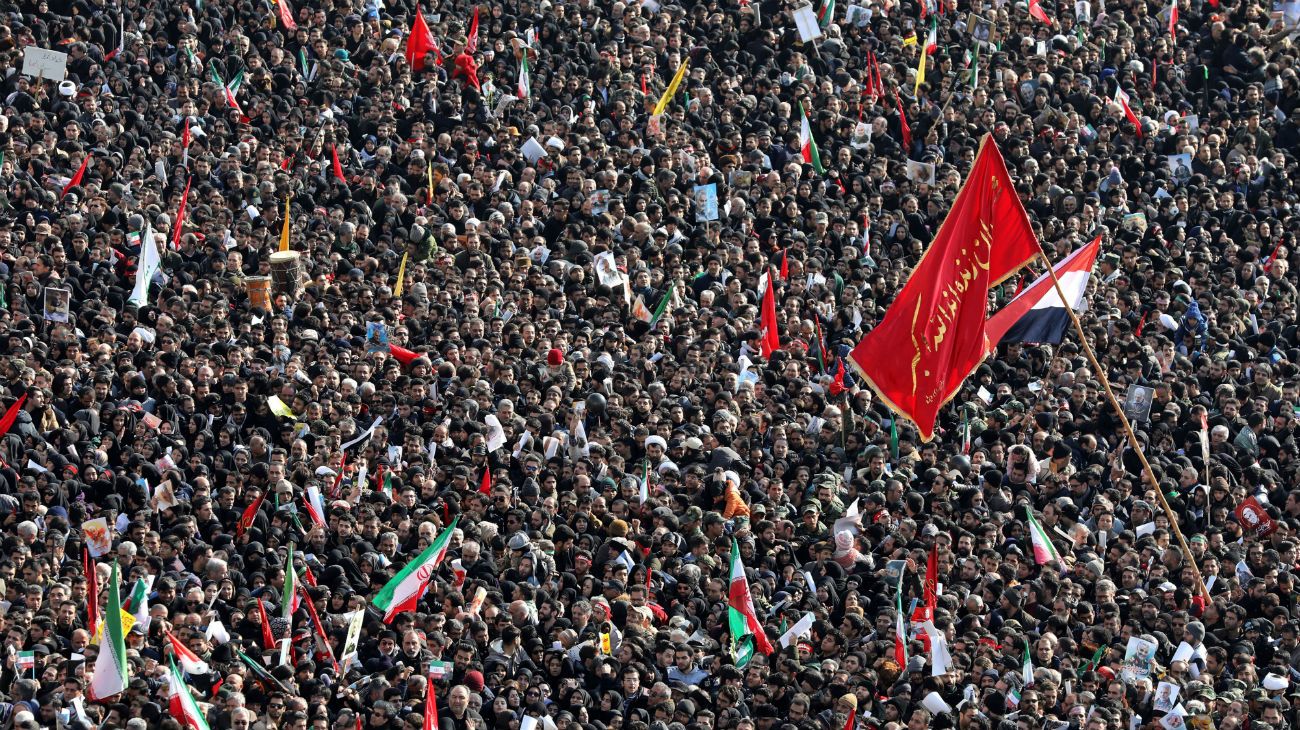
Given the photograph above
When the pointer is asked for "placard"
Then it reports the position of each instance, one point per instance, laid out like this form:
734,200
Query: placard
45,63
805,18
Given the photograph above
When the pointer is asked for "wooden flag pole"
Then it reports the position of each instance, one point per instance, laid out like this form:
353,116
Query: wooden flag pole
1128,428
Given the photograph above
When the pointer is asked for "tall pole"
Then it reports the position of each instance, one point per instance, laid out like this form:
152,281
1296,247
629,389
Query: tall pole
1128,428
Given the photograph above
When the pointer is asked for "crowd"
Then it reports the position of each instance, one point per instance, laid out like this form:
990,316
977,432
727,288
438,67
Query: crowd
529,282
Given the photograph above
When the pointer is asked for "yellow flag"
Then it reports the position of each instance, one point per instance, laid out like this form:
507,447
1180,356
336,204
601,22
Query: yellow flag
671,91
429,171
280,408
127,622
920,74
401,275
605,647
284,232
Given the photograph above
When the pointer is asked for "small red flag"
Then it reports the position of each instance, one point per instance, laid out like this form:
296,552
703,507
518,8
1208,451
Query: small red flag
785,264
1141,323
471,42
286,15
1121,97
250,514
485,486
932,578
1268,263
268,639
180,214
903,126
338,167
401,354
92,589
419,42
837,385
853,719
11,415
288,160
1036,10
770,340
1173,20
431,720
76,178
185,134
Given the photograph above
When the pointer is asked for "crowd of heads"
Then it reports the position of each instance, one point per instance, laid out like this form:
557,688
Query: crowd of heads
526,298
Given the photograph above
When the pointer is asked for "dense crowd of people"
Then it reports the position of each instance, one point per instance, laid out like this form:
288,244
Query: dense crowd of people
526,299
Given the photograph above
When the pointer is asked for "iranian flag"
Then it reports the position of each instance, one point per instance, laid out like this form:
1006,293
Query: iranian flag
746,632
404,590
139,601
525,77
182,704
287,597
1044,550
808,145
900,628
1121,98
190,661
111,672
315,504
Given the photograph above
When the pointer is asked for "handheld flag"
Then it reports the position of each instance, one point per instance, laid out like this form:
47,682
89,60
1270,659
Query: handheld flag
112,673
180,214
315,504
770,339
485,484
431,720
146,267
190,661
900,628
1044,550
671,91
471,41
933,334
181,702
1037,314
1038,13
403,592
1027,670
419,42
903,127
338,168
1121,98
401,274
286,15
807,145
92,587
250,514
288,601
747,634
524,87
76,177
1173,20
268,637
284,230
11,415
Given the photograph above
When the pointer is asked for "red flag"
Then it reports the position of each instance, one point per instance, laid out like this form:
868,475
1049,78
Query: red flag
1121,97
338,167
785,264
338,478
76,178
268,639
250,514
1268,263
1141,323
180,214
1173,20
770,340
401,354
932,579
308,576
933,335
485,485
1037,12
315,620
419,42
853,719
880,82
11,415
431,720
288,160
903,125
92,589
471,41
286,15
185,134
837,385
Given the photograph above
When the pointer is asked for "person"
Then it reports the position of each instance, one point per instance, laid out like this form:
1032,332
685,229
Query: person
609,514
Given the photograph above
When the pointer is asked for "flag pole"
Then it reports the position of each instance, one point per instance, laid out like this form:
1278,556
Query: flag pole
1128,428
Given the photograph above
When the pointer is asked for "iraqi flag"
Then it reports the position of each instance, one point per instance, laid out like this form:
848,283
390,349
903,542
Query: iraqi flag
1038,313
403,592
182,704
